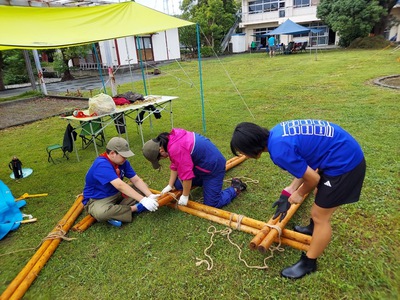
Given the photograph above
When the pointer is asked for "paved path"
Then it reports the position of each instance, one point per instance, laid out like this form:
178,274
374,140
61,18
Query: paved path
95,84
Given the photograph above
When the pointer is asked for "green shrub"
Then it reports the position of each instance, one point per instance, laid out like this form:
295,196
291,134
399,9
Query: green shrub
12,78
370,42
207,51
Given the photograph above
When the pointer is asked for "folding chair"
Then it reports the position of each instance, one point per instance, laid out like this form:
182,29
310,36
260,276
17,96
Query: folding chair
289,49
92,131
53,147
303,47
67,146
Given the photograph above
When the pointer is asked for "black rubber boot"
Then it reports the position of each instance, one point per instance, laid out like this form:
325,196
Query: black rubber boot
305,229
303,267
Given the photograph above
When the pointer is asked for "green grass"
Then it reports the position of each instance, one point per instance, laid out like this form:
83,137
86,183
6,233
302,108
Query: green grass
25,95
155,256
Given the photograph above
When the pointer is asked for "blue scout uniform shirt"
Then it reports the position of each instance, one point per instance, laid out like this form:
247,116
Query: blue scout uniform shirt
206,157
99,176
294,145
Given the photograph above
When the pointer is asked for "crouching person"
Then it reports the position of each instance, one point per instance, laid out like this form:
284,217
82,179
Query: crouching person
194,161
106,196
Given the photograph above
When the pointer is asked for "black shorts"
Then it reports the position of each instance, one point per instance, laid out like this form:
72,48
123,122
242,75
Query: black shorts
343,189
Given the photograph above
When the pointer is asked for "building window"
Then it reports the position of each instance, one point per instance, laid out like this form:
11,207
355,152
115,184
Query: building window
262,6
319,37
301,3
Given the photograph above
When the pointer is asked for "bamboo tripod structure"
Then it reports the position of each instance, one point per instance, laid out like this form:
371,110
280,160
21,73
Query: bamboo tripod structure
264,236
290,238
263,239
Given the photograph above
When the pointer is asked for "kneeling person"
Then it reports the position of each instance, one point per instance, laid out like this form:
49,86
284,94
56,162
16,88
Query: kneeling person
195,161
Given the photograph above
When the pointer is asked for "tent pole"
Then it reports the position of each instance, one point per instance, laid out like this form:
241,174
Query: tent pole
129,61
200,75
40,73
29,69
110,66
98,67
141,66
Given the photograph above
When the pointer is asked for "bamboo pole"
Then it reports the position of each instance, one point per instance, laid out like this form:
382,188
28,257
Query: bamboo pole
169,197
297,236
267,241
84,224
217,219
235,161
163,200
225,214
33,273
234,224
65,223
235,158
262,234
248,221
232,159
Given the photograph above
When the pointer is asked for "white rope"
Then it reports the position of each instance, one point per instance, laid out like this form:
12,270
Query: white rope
244,179
225,232
230,78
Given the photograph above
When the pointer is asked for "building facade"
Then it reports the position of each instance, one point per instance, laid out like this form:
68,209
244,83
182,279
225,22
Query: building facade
261,16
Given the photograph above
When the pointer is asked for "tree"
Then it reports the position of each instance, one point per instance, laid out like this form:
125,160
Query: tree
215,18
62,57
2,86
12,68
350,18
385,21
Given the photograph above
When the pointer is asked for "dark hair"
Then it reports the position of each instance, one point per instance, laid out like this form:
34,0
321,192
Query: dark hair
249,139
163,139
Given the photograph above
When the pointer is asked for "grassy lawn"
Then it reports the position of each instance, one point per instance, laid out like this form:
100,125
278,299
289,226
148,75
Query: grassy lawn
155,256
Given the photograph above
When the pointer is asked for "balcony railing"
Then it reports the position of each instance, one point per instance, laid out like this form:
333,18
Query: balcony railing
254,17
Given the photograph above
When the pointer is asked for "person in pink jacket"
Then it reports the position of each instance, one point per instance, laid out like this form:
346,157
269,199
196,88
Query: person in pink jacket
195,161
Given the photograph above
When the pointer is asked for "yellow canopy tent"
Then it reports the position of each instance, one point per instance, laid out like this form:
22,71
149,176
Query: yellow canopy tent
58,27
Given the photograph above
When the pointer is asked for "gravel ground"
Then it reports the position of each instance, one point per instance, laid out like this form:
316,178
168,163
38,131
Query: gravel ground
13,113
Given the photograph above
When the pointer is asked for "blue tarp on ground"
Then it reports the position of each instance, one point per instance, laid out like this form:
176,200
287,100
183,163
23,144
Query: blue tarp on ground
10,213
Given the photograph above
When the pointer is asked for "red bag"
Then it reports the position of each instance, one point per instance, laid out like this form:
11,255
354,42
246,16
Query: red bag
121,101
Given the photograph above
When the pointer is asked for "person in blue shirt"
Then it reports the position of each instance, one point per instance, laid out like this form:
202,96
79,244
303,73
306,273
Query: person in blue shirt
106,196
271,46
322,157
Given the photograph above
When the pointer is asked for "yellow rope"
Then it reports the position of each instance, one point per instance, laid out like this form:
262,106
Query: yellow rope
26,249
58,233
239,220
278,248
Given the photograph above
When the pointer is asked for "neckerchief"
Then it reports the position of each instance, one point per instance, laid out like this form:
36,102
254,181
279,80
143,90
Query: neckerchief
116,169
